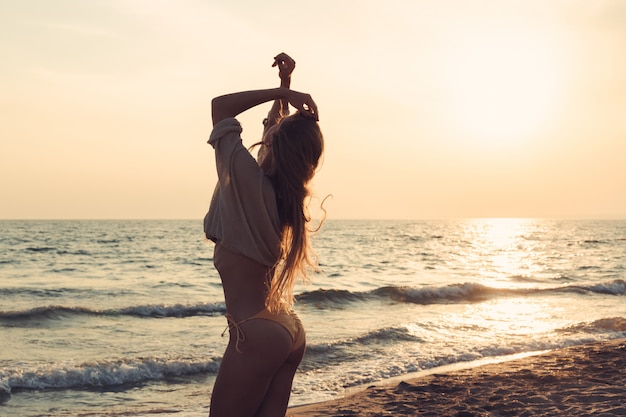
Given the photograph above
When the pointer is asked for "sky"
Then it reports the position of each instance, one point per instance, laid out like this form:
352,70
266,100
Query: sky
430,109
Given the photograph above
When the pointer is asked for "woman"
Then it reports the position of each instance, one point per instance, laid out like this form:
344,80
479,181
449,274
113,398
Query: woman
258,222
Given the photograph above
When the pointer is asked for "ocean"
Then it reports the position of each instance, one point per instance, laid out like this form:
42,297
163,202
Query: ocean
124,318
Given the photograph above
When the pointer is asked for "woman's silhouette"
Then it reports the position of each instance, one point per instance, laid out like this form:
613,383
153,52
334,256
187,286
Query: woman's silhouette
258,221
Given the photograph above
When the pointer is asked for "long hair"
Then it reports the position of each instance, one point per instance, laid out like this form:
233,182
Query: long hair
297,147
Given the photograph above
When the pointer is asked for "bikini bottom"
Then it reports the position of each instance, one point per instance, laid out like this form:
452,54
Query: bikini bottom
288,319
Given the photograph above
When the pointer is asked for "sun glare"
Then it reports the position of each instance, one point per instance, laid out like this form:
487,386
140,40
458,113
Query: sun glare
507,256
503,84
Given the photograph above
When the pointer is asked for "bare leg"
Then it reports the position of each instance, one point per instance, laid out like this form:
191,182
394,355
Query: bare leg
277,397
244,379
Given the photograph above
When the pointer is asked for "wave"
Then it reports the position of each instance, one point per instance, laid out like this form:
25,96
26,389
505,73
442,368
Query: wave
609,324
377,342
384,335
453,293
323,296
323,355
40,249
388,334
58,292
466,292
106,373
153,310
616,287
127,373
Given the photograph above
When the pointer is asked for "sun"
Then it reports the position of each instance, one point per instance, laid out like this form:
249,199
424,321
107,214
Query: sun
502,84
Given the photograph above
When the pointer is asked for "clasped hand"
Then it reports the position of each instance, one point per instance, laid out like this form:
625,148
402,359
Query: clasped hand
304,103
285,64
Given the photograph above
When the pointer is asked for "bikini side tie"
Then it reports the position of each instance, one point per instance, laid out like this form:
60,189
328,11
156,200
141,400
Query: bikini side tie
241,336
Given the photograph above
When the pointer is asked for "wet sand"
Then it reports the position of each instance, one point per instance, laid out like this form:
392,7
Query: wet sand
584,380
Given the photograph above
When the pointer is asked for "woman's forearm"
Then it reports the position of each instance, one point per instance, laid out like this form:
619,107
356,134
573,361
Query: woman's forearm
280,108
285,82
282,105
231,105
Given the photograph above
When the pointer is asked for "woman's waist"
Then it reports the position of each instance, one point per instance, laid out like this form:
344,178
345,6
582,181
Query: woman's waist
243,303
231,264
281,316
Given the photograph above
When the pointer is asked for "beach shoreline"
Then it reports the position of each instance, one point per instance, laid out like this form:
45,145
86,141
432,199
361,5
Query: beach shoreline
579,380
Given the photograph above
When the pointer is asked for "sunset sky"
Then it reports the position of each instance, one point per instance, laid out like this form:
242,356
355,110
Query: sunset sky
430,109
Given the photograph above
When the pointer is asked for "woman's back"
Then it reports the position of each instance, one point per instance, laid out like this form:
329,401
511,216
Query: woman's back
244,282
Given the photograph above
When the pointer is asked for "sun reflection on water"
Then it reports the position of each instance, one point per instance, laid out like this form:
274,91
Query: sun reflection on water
511,316
504,252
507,254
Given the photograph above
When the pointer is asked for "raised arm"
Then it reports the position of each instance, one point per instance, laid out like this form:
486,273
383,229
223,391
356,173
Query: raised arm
231,105
280,108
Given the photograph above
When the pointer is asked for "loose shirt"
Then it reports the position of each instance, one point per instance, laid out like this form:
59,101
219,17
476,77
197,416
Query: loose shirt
243,215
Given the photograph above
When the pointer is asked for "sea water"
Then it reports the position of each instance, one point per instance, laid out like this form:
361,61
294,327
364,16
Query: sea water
125,317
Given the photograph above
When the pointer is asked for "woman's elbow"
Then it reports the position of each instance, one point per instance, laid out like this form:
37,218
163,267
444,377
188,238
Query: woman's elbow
217,110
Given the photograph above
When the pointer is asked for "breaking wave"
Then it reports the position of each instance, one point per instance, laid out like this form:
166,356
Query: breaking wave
454,293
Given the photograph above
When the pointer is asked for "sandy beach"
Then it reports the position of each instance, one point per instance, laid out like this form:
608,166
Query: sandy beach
584,380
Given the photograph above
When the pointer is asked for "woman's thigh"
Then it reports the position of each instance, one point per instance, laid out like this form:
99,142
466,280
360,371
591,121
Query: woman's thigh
277,397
